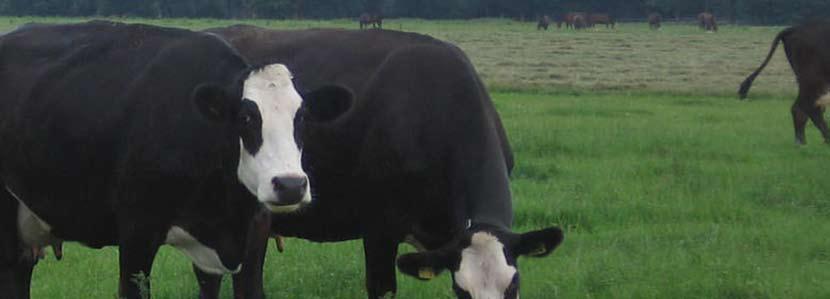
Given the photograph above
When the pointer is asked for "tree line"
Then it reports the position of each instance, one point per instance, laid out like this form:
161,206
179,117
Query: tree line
741,11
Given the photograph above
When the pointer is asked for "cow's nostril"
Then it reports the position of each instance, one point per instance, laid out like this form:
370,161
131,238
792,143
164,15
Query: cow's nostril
289,183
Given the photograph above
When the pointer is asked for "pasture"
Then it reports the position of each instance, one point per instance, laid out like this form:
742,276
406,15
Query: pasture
631,139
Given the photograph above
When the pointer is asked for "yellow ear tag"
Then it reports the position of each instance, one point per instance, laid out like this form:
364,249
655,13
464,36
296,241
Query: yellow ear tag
539,250
426,273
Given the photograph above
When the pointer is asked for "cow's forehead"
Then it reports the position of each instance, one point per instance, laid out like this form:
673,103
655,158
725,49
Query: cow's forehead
272,86
270,76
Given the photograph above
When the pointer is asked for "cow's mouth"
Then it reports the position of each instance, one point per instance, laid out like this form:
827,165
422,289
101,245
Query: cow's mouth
277,207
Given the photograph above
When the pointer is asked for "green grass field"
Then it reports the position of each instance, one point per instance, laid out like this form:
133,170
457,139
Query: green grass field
632,140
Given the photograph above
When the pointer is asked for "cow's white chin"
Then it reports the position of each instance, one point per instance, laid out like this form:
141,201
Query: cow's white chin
205,258
282,209
271,201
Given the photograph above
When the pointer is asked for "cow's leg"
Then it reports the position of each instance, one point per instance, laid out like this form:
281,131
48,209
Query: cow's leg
248,283
380,252
817,116
23,272
15,266
137,250
16,278
209,284
799,121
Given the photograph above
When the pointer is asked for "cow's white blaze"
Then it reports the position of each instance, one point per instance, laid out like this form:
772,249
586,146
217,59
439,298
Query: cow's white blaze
484,272
202,256
273,91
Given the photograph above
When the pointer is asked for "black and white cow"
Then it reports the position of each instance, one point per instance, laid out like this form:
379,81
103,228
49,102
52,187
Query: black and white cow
420,157
139,136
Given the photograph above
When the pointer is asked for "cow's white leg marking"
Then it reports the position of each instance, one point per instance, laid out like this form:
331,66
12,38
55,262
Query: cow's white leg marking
824,100
32,229
204,257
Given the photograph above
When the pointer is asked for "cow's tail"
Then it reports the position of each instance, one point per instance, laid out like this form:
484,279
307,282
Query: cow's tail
742,92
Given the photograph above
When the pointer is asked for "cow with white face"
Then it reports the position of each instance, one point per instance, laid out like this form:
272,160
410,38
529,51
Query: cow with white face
138,136
483,260
270,163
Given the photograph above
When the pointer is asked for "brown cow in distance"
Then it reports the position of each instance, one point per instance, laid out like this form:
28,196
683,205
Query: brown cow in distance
544,22
371,19
568,19
806,49
707,21
654,20
601,18
580,21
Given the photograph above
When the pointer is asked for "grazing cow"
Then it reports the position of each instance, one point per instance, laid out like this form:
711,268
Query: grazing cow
376,21
422,157
138,136
601,18
707,21
655,20
543,23
806,48
568,19
580,21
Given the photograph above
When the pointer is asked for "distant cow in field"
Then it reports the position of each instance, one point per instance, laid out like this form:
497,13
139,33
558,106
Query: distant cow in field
568,19
580,21
543,23
376,21
654,20
707,21
806,48
601,18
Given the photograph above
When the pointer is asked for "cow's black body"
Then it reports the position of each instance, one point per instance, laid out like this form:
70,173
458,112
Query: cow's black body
805,46
101,138
422,152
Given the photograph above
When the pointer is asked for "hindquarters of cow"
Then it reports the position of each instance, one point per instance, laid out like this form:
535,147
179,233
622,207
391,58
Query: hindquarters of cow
707,21
655,20
805,49
543,23
580,21
804,46
605,19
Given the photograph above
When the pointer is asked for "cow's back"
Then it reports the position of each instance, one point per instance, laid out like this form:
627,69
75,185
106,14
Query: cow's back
346,57
319,56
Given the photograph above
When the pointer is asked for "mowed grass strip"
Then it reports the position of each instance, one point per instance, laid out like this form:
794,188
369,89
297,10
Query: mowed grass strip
662,197
514,56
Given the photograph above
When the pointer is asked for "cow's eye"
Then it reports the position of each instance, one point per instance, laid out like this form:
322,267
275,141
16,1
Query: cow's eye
246,119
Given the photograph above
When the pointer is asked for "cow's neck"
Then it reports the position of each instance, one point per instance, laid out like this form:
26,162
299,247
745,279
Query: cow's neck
485,186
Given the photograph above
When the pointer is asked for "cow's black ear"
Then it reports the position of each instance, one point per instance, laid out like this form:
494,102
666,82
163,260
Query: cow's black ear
327,103
213,102
424,265
539,243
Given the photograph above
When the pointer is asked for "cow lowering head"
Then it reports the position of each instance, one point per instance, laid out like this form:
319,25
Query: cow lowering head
482,260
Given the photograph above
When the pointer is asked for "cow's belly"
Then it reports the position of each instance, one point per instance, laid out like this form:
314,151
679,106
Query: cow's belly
44,219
